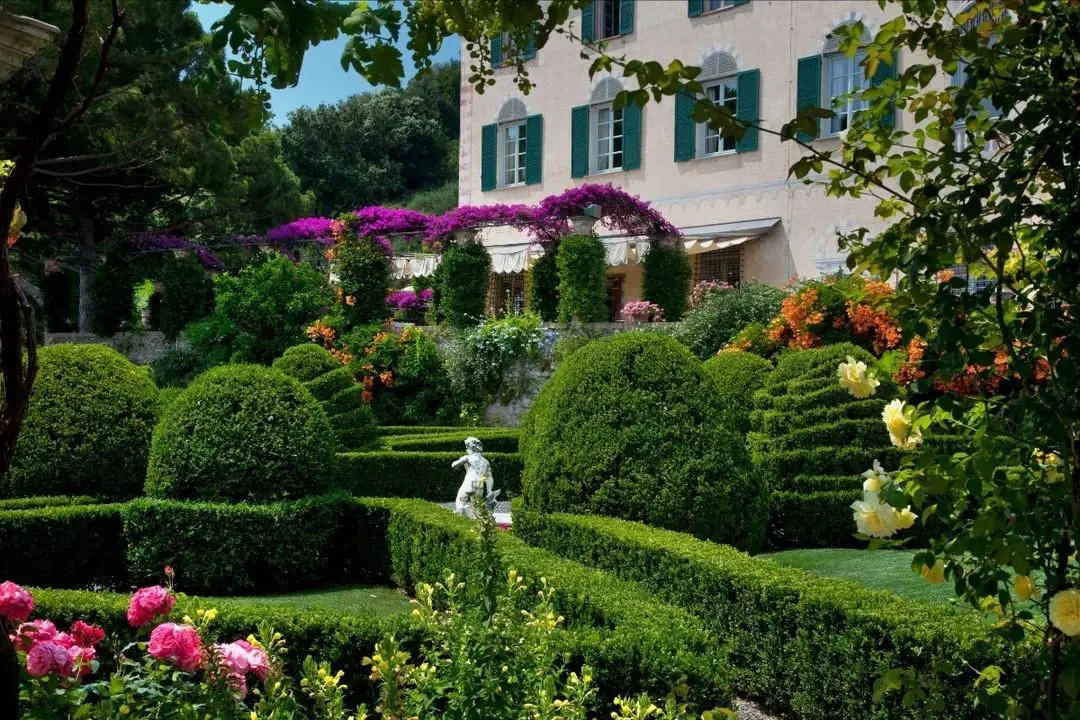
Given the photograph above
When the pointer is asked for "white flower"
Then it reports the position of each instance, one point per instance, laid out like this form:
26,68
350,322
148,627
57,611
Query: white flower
875,518
876,478
855,378
899,420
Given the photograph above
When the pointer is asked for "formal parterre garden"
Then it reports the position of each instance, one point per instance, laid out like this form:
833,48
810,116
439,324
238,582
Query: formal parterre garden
845,498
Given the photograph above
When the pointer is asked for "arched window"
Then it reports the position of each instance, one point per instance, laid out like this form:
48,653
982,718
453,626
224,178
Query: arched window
513,135
843,78
606,127
719,76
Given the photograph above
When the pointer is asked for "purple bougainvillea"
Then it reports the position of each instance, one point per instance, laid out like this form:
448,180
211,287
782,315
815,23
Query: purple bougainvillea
404,300
472,217
621,210
319,229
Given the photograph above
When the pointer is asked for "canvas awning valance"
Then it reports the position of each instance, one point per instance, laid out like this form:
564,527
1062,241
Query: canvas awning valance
407,266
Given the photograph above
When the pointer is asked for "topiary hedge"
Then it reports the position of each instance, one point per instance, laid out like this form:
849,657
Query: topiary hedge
502,440
63,545
813,441
542,287
88,428
229,548
582,265
666,278
808,646
425,475
737,375
334,386
363,272
630,426
241,432
461,284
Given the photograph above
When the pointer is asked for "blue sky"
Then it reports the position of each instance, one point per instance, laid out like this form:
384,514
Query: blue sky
321,80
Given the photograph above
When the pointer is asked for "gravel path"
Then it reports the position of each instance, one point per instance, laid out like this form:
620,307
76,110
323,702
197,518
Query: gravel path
749,711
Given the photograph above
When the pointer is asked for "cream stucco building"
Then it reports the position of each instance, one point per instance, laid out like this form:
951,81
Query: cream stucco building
741,216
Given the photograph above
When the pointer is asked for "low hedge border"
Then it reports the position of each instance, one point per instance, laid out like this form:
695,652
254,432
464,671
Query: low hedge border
630,639
801,643
229,548
64,545
503,440
424,475
386,430
25,503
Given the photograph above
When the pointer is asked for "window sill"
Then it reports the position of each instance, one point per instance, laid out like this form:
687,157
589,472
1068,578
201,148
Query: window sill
612,171
710,156
507,187
717,11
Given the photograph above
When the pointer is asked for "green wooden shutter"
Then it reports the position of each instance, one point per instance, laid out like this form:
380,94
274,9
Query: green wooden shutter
685,128
883,72
626,17
534,149
808,89
530,45
748,84
740,2
588,22
496,51
579,141
631,142
489,144
694,8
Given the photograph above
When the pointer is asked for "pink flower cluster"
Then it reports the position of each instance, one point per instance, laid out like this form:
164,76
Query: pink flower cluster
52,652
149,602
309,228
240,659
403,300
178,645
620,210
15,603
472,217
642,311
705,288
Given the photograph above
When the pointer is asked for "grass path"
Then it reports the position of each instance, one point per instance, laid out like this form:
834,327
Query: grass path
345,600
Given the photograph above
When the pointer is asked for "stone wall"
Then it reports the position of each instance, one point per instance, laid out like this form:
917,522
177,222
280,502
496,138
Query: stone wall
139,347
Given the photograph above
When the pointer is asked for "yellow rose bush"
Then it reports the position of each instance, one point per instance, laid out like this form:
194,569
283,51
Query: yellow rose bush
856,379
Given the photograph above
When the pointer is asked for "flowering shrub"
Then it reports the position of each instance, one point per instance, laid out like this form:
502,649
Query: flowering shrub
641,311
722,313
824,312
318,229
493,361
409,304
363,272
704,288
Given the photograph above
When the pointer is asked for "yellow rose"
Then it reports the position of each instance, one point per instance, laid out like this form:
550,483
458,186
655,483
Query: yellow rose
898,420
905,518
1025,587
1065,611
875,518
876,478
1050,463
855,378
933,575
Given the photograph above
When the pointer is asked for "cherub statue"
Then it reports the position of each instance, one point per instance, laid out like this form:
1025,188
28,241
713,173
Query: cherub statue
478,479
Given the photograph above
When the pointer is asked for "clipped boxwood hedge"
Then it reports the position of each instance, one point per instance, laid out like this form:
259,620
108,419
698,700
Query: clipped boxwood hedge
88,427
806,427
334,386
504,440
632,641
241,432
60,545
228,548
424,475
737,375
631,426
387,430
805,645
26,503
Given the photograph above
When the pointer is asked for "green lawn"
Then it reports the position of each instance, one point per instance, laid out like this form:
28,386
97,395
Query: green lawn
876,569
346,600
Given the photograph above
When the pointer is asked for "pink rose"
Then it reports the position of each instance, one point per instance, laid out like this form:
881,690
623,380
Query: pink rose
149,602
82,660
86,635
179,645
242,657
33,632
15,603
64,640
47,658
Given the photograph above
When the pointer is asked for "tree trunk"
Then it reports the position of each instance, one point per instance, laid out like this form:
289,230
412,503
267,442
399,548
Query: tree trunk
86,271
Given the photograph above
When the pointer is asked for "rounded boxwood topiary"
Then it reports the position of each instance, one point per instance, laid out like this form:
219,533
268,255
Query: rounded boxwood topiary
241,432
629,426
737,375
87,431
306,362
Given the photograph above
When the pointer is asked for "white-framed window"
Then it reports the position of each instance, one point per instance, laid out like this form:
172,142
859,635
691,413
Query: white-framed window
714,5
723,93
512,153
608,17
607,136
844,77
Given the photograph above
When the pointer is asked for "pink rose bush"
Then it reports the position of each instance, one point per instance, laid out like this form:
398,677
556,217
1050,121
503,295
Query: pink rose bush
178,645
149,602
15,603
240,659
52,652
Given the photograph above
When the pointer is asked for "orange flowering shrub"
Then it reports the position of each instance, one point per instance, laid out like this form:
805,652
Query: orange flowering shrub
823,312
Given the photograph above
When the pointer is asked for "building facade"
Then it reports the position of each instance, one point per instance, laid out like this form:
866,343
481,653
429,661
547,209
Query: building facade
740,214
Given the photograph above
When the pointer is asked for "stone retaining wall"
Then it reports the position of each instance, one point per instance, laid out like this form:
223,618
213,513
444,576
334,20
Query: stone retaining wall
140,347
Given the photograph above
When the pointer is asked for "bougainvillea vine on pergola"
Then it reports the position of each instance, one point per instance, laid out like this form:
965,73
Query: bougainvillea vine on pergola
619,209
153,243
